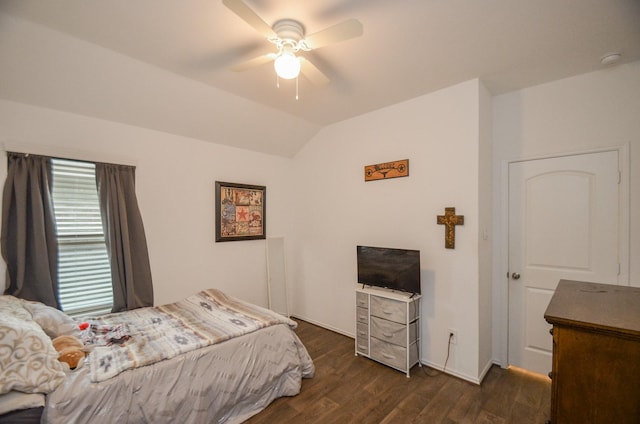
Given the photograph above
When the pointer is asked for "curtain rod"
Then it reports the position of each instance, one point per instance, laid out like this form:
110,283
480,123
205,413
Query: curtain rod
66,154
70,159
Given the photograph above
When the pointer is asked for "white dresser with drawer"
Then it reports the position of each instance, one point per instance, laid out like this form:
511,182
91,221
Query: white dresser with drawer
388,327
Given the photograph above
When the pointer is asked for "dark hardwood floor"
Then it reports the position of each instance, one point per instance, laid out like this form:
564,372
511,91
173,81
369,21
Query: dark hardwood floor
351,389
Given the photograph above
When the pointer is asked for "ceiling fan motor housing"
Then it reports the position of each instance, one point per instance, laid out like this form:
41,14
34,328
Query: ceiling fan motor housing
289,29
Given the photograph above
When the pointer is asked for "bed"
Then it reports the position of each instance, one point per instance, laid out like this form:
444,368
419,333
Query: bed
216,359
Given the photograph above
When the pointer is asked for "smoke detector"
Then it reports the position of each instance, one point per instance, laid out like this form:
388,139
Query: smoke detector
610,59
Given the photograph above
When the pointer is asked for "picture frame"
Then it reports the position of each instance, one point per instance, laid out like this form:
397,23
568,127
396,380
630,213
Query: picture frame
240,211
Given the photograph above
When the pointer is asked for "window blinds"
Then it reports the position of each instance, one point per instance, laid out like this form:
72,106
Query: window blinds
84,273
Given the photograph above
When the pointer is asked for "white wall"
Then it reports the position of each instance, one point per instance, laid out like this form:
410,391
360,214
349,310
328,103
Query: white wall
175,180
323,212
319,200
485,306
444,134
591,111
335,210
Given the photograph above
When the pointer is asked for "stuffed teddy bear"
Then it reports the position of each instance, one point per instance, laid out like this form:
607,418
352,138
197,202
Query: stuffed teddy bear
70,350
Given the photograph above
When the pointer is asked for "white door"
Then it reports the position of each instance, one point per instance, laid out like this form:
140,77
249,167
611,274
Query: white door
564,217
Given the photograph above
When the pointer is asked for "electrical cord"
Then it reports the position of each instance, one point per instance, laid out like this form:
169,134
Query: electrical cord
435,372
448,351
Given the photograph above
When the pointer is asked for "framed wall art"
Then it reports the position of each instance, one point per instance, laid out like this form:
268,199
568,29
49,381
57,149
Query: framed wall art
240,212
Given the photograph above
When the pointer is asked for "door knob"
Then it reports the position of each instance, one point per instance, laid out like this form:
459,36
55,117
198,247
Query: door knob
515,276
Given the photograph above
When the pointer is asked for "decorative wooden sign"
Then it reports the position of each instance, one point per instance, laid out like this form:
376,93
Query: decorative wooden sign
450,220
382,171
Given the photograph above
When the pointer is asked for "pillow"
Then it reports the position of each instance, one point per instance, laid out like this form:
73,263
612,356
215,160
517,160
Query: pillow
53,321
28,361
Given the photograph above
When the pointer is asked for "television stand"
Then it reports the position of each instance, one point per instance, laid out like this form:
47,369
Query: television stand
388,327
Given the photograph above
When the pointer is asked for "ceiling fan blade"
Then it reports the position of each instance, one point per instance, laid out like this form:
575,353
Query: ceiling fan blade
252,63
312,73
334,34
249,16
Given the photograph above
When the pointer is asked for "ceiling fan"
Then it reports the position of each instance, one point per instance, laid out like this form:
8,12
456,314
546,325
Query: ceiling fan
289,37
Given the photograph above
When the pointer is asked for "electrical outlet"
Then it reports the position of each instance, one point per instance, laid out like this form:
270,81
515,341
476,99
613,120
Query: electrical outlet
453,336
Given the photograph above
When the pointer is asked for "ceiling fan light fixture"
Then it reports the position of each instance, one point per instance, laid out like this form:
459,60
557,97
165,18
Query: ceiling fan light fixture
287,65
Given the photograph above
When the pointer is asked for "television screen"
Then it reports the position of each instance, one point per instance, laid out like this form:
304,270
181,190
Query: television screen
396,269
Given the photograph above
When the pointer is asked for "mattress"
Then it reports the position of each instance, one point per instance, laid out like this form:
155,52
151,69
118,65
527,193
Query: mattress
21,408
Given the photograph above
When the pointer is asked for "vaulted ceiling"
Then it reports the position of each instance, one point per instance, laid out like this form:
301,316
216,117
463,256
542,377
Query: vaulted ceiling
183,50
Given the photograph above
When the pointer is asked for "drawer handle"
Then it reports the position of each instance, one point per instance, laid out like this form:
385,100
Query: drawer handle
362,333
386,355
387,312
360,347
387,335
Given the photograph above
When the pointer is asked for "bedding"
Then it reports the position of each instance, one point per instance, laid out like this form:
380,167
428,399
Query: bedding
162,332
222,383
28,361
209,358
52,321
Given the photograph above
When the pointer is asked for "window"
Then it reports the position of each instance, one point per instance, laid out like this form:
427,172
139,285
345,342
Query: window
84,273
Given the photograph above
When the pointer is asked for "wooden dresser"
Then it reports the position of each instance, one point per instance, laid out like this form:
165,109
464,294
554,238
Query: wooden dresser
596,353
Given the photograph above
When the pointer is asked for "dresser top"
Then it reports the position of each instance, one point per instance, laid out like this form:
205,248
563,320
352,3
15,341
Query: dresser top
597,306
389,294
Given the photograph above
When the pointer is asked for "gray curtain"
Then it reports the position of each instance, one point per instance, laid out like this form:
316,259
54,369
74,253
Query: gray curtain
125,237
28,239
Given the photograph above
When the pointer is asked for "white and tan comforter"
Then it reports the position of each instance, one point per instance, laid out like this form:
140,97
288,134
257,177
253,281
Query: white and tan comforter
162,332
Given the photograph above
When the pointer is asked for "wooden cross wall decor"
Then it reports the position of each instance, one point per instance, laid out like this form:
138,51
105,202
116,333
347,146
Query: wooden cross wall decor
450,220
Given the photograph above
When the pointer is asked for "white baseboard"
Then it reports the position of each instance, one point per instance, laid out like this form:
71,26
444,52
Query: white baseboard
486,369
454,373
319,324
471,379
463,376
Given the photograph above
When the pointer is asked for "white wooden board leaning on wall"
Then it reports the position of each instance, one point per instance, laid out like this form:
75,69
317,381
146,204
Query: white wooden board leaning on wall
277,276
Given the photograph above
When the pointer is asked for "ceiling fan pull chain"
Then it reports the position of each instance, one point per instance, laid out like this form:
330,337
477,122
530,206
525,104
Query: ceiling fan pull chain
296,88
277,81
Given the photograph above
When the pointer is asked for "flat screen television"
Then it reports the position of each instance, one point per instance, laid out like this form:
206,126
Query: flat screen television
395,269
